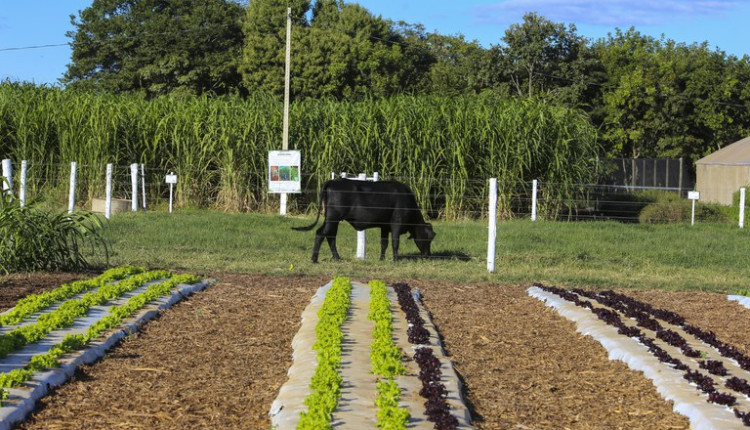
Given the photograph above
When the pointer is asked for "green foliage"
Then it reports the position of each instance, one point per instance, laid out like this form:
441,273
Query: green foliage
444,146
34,239
670,208
67,312
156,47
326,381
386,359
36,302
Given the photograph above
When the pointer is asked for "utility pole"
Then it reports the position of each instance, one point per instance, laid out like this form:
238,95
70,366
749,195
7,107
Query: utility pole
287,67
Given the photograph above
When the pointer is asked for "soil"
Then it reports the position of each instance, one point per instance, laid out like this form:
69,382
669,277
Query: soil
217,359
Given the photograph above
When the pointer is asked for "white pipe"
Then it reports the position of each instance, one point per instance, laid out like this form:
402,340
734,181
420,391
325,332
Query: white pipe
22,191
742,207
134,184
72,188
492,235
361,235
143,185
7,174
108,193
533,199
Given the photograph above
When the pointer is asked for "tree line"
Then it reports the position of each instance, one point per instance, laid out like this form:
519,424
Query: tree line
648,97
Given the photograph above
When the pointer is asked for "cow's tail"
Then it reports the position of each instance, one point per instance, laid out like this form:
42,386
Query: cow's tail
321,199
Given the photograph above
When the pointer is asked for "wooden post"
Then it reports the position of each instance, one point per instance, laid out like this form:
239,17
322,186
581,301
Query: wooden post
492,234
287,72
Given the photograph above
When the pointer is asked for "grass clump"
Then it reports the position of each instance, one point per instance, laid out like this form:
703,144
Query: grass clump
33,239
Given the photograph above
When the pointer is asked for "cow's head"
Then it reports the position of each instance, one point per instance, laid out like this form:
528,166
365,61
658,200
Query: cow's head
423,235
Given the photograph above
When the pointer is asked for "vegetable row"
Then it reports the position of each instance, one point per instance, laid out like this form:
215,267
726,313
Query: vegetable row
648,318
65,315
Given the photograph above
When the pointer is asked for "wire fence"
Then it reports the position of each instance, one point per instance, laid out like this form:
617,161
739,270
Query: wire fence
439,198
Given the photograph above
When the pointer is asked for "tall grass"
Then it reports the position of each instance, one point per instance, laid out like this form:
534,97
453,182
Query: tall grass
444,148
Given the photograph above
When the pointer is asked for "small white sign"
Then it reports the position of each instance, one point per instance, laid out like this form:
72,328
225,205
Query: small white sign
693,195
171,179
284,172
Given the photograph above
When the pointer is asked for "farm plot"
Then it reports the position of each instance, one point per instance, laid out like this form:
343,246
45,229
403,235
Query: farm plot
46,336
219,358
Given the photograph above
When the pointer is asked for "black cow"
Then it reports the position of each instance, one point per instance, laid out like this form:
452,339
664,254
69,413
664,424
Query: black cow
389,205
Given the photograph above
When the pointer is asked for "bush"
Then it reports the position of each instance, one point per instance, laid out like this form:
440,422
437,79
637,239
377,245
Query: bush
34,239
671,208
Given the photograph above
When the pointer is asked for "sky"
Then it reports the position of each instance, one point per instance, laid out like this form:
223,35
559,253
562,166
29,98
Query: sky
33,45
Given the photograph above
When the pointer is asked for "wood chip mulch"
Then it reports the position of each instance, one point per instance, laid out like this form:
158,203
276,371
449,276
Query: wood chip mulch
217,360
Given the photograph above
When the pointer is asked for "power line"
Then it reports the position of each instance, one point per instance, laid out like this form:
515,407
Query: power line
23,48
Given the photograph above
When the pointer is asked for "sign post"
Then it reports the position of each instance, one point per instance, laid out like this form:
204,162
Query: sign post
171,179
284,173
693,195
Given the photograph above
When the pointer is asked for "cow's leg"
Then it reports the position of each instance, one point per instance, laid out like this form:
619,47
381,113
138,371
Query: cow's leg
395,234
383,242
319,235
332,229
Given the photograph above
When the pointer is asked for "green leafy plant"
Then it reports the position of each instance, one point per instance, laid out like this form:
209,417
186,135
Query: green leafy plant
326,381
34,239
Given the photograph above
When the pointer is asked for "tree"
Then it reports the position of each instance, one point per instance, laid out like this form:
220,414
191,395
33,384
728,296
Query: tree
263,54
156,46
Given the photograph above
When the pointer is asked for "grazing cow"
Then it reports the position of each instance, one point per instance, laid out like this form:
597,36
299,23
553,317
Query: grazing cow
389,205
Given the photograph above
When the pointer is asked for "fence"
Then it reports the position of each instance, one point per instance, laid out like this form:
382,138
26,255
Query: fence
645,173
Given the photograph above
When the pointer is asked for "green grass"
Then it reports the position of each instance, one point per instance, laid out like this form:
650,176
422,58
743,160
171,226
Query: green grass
712,257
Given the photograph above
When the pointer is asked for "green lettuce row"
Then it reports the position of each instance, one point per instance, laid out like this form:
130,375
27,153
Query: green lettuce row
386,359
37,302
326,381
73,342
66,314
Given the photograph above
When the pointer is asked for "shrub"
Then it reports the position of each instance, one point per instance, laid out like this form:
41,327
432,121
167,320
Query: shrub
675,209
34,239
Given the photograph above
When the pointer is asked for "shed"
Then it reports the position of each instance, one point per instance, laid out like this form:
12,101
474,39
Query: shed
720,174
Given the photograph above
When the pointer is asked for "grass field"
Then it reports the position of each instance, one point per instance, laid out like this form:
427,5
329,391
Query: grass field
712,257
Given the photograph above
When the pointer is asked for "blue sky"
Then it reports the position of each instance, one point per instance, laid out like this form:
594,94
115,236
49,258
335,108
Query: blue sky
723,23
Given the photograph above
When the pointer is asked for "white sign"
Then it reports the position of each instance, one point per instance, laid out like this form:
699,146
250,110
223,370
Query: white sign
284,172
693,195
171,179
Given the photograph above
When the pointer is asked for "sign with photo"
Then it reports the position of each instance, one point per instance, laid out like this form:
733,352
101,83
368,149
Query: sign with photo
284,172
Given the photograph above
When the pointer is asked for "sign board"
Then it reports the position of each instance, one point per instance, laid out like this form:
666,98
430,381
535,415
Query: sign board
284,172
693,195
171,179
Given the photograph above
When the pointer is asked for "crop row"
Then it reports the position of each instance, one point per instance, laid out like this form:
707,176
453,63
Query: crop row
326,381
646,317
386,359
37,302
433,390
117,314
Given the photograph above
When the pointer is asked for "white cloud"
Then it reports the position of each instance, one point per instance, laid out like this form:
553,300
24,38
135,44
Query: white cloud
612,13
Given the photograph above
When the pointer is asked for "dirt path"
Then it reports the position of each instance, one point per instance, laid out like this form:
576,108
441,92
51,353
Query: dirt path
218,359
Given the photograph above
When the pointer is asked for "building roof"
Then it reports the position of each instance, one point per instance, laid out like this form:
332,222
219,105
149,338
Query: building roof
736,154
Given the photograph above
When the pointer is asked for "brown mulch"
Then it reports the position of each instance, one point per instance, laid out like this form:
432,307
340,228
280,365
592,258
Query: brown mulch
218,359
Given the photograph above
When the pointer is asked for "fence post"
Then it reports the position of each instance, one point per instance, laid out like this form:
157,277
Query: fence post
143,185
742,207
361,236
533,199
7,174
22,191
492,236
134,184
108,193
72,187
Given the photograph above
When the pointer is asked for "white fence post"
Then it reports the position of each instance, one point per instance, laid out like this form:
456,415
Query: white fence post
742,207
533,199
108,193
134,183
361,236
7,174
492,234
143,185
72,187
22,190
